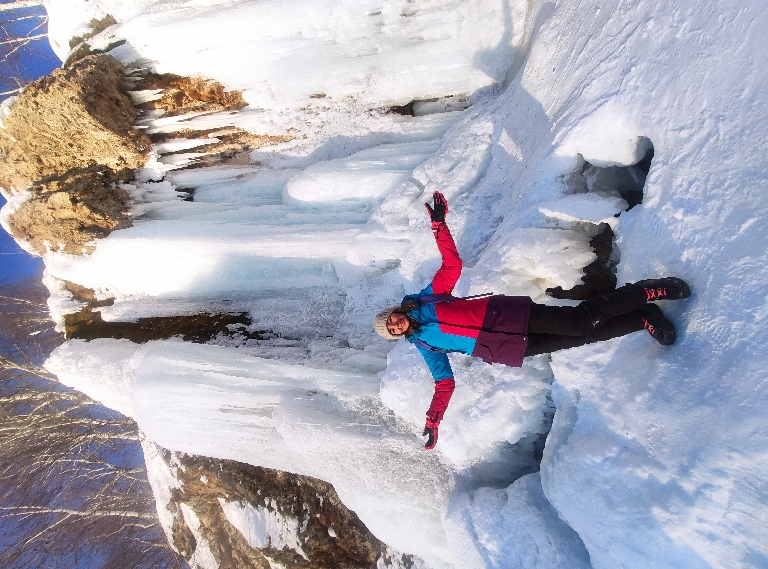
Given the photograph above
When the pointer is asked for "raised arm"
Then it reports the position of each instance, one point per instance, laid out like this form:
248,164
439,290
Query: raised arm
442,283
450,271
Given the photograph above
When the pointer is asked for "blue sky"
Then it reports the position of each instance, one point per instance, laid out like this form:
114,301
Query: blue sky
25,63
15,263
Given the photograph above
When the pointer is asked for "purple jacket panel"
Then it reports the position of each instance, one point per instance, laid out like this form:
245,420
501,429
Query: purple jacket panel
503,338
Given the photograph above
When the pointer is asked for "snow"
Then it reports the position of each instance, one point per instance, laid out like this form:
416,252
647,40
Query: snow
517,527
264,527
162,478
377,47
5,109
367,175
13,203
657,455
202,557
296,418
491,408
586,207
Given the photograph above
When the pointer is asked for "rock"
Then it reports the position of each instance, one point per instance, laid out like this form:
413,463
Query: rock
330,535
71,119
187,95
69,211
69,138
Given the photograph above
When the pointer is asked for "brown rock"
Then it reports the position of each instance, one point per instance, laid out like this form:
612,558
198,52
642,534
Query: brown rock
73,118
185,95
331,536
70,211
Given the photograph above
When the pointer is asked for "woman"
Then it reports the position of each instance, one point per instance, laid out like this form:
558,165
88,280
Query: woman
506,329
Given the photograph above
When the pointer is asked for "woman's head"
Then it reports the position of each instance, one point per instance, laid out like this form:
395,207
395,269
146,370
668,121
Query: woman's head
392,323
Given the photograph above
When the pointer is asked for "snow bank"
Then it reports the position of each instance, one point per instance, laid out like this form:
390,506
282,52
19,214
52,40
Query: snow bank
492,407
650,460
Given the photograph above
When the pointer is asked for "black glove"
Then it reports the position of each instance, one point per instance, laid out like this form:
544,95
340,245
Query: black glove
431,433
438,212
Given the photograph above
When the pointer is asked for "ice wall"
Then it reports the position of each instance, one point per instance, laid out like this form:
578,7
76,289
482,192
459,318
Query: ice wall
219,402
376,52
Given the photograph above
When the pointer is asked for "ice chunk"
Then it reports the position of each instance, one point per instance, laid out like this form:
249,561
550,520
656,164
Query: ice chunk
512,528
367,175
591,207
222,403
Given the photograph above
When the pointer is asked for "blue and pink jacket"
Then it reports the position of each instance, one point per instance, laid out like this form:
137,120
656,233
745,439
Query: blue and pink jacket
493,328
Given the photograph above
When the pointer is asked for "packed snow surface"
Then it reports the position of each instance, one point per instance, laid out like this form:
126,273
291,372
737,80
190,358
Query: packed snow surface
657,456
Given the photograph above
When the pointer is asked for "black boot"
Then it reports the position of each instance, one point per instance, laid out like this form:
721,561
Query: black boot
633,296
667,288
662,330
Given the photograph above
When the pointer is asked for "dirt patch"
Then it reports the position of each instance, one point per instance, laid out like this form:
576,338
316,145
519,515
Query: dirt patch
86,295
71,119
97,26
193,95
79,46
87,324
230,146
185,95
331,536
69,211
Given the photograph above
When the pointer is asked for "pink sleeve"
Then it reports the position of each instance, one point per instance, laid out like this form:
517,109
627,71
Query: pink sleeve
442,396
450,271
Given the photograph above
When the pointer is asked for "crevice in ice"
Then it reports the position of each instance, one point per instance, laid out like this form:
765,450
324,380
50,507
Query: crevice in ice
538,440
600,275
89,325
512,461
625,182
422,107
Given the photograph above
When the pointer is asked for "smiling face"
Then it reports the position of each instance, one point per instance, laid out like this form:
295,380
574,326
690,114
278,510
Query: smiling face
397,324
